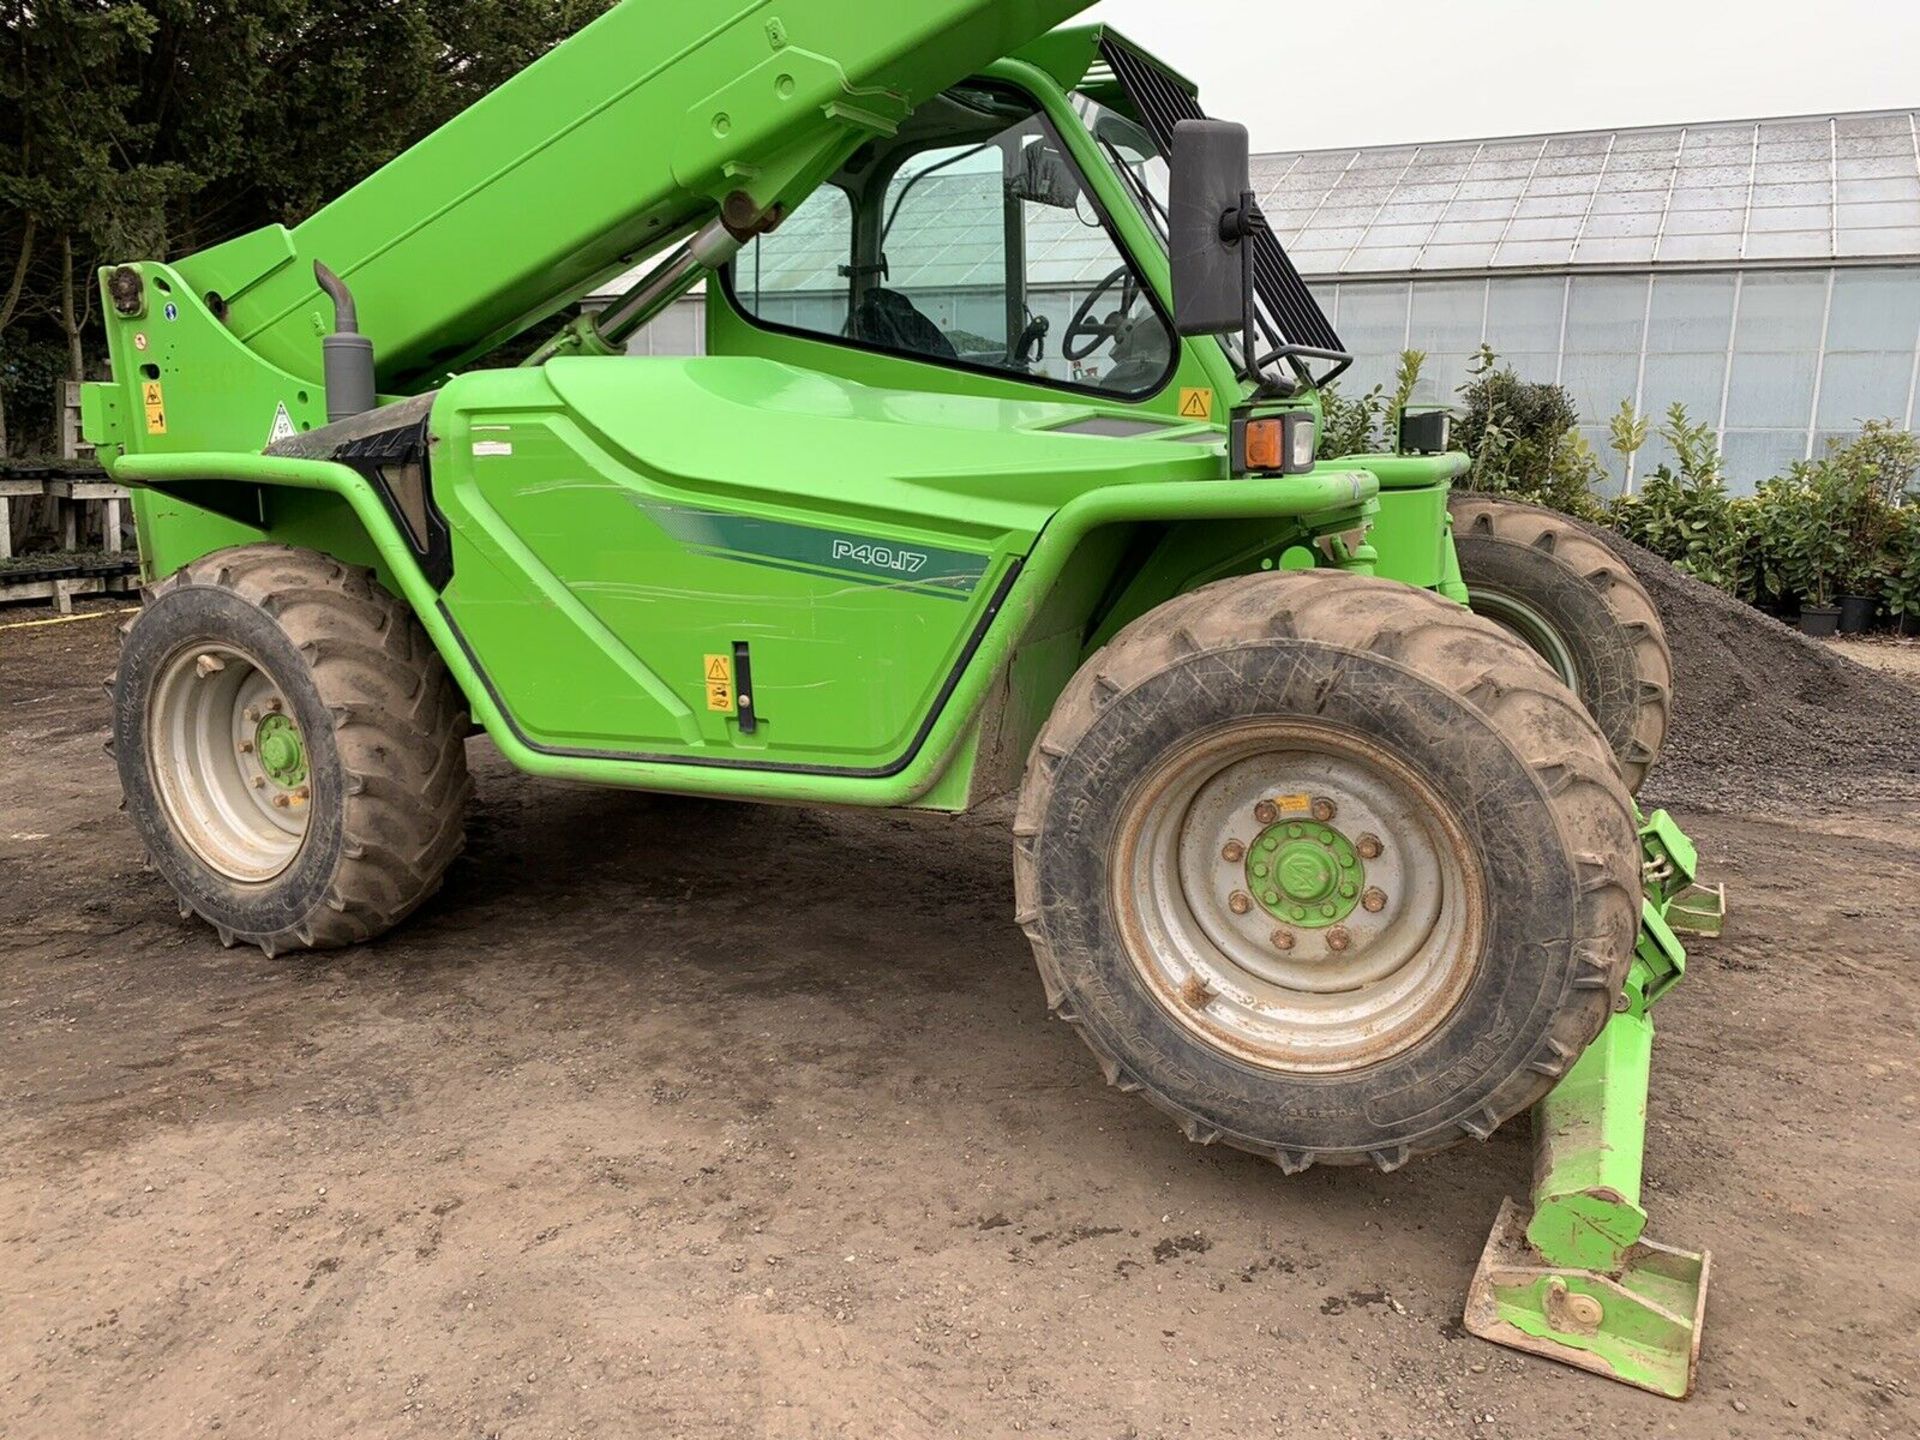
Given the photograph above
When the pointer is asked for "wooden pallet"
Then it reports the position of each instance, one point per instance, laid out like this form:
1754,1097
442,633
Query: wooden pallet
63,590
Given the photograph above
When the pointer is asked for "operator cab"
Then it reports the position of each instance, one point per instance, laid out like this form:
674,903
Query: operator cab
970,239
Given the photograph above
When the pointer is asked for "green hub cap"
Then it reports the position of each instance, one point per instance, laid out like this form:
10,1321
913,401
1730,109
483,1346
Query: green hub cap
282,755
1305,873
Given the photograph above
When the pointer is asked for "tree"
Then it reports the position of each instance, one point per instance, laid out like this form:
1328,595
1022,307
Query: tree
153,128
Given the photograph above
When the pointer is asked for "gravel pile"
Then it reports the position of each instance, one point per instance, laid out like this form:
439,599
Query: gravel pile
1765,716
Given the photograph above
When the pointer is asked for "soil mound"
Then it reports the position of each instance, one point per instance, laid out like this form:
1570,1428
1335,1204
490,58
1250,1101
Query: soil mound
1763,715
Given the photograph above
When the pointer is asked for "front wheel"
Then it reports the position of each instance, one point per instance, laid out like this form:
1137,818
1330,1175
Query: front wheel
1327,867
1547,581
290,748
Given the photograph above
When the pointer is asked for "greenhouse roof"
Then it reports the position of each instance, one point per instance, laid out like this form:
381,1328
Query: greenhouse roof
1812,188
1806,190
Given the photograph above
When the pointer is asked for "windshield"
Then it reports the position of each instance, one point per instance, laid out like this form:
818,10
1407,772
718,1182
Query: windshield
971,240
1131,150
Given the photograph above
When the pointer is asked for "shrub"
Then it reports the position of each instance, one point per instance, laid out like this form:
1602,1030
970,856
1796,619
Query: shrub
1370,423
1683,512
1524,440
1900,568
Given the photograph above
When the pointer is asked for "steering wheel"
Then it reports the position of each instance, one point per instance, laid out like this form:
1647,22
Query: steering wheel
1085,334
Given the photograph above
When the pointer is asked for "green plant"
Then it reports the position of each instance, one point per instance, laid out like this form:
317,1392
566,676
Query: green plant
1900,567
1369,423
1523,437
1682,512
1406,379
1347,427
1626,433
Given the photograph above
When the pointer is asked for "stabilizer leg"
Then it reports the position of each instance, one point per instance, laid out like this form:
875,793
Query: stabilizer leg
1572,1277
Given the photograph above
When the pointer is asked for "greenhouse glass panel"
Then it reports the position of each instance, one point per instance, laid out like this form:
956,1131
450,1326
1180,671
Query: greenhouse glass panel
1771,390
1691,312
1695,381
1781,312
1372,319
1598,383
1447,315
1441,376
1875,310
1864,385
1753,456
1605,314
1523,315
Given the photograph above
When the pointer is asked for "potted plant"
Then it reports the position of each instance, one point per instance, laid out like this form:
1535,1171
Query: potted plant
1869,476
1902,573
1808,541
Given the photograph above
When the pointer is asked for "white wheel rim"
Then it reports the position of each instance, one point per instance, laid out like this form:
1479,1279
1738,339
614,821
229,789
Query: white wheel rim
203,727
1320,1005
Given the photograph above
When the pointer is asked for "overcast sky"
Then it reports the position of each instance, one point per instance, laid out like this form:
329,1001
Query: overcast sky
1309,76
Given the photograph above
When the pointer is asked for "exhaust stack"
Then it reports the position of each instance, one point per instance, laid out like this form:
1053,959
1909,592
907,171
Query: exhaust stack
346,355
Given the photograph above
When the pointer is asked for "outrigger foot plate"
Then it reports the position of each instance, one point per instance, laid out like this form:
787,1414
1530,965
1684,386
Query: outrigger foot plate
1641,1326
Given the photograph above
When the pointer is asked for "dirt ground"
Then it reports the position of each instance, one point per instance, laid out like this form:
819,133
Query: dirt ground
673,1118
1894,657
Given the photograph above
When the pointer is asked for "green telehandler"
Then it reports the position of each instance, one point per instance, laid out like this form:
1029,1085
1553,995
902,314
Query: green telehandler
998,475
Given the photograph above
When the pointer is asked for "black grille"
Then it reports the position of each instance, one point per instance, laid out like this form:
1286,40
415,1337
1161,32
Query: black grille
1289,315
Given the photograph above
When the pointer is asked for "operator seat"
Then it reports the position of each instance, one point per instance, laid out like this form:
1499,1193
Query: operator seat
888,318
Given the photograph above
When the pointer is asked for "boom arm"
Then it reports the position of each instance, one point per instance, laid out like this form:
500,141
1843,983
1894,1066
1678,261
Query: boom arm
617,143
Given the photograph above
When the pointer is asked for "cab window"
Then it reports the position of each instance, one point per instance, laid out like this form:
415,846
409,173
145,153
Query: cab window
968,240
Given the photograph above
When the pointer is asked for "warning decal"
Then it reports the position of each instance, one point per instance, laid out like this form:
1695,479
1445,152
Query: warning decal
1293,804
155,401
282,426
719,682
1196,404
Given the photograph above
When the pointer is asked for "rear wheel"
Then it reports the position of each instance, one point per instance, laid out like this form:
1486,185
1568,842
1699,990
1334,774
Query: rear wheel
290,748
1570,599
1326,867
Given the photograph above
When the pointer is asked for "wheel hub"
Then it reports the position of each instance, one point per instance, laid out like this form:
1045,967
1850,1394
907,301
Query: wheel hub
1306,873
230,765
1298,896
282,754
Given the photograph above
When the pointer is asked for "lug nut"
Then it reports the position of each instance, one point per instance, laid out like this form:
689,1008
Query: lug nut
273,705
259,782
1271,897
1239,902
1266,812
1338,938
303,793
1233,852
1368,846
251,714
1283,939
1324,810
246,747
281,802
1374,901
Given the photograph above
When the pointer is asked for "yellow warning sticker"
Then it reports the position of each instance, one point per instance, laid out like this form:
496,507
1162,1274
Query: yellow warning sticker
1196,404
1293,804
719,683
155,401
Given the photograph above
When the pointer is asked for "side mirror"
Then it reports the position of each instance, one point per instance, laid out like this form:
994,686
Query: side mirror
1043,176
1212,178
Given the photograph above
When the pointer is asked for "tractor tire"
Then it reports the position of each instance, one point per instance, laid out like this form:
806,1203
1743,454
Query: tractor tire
1579,607
291,748
1328,868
